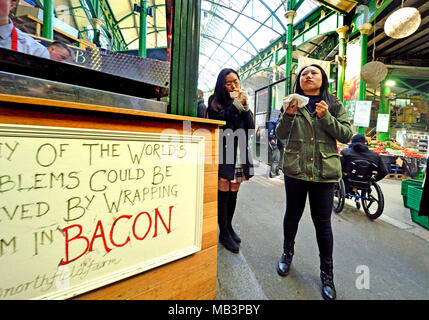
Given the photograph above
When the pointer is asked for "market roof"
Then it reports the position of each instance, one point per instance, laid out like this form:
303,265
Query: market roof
233,32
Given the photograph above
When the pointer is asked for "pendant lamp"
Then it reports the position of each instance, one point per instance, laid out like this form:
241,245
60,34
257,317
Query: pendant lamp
402,23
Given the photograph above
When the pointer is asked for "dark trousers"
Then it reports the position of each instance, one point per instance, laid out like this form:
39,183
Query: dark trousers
321,196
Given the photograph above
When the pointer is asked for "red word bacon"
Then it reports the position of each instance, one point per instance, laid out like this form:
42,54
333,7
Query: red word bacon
99,233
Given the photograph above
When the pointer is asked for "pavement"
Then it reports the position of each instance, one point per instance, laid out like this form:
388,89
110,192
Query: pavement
382,259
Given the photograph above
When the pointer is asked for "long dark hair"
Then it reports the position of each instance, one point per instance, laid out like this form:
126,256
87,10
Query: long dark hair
220,98
324,89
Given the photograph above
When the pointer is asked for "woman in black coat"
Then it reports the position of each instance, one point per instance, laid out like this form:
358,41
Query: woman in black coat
235,165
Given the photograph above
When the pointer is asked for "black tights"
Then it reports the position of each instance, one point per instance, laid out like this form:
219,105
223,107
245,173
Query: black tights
321,196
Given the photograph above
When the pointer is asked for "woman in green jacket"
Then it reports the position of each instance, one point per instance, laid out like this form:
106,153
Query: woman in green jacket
311,166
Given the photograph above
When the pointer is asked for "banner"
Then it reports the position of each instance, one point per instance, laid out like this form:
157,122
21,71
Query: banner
305,61
352,73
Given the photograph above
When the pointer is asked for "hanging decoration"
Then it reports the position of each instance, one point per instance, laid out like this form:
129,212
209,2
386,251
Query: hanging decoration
375,71
402,23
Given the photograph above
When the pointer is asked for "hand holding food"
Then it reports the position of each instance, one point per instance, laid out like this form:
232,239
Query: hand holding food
292,107
241,95
292,102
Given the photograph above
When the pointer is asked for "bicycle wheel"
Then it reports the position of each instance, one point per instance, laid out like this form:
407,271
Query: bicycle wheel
339,196
373,201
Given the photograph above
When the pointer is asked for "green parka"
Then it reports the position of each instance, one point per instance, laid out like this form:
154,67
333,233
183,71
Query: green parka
311,153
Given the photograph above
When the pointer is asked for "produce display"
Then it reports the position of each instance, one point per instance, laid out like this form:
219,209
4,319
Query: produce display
388,148
394,149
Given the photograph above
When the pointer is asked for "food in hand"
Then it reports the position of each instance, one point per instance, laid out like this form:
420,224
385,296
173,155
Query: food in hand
301,100
240,94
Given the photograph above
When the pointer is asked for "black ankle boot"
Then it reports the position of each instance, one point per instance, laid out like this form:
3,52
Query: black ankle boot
327,278
285,261
232,200
224,236
229,243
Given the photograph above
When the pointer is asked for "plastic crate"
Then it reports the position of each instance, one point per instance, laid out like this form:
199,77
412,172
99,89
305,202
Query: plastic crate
404,188
420,220
414,197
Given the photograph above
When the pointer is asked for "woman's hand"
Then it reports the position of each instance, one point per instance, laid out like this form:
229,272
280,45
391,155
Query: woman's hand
321,109
292,107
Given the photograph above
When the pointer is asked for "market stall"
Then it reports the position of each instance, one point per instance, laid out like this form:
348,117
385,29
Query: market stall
401,161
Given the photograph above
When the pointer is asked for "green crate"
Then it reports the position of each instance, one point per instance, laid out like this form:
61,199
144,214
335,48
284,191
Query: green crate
414,197
404,188
420,220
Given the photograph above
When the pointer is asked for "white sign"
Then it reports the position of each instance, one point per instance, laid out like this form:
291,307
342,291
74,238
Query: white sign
382,122
83,208
362,114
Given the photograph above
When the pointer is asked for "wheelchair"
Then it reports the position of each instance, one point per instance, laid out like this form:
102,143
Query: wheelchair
358,183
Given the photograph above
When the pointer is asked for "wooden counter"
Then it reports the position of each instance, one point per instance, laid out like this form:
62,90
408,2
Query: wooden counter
191,277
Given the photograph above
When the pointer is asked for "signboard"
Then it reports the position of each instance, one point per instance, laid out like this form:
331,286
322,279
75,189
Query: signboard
382,122
80,209
350,106
362,113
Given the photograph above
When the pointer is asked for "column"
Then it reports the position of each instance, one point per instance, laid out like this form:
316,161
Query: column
143,28
384,109
48,19
364,29
290,15
342,31
184,57
97,33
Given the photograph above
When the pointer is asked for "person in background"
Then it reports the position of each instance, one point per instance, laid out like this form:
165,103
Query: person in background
13,38
59,51
312,166
235,164
201,106
358,150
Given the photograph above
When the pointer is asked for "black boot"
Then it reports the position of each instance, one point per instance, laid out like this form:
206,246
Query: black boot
224,237
327,278
232,200
285,261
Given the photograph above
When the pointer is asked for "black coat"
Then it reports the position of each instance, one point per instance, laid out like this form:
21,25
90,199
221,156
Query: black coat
236,129
424,203
201,112
360,151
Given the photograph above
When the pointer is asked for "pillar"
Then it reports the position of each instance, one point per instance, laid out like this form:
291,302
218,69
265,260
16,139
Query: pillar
184,57
342,31
97,32
143,28
384,109
364,29
290,15
48,19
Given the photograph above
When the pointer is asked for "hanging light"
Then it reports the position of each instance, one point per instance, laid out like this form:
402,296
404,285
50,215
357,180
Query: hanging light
402,23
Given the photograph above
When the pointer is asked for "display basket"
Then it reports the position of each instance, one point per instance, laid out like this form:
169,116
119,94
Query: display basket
404,188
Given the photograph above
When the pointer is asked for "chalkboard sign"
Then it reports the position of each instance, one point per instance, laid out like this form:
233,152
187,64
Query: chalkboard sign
80,209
